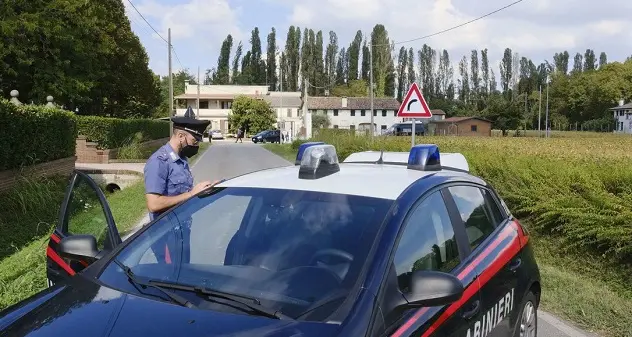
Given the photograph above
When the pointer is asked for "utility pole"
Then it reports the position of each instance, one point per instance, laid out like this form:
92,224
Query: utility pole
546,123
540,113
281,89
170,85
371,84
305,111
198,94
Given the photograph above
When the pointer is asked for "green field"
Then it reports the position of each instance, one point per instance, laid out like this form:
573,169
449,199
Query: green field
573,190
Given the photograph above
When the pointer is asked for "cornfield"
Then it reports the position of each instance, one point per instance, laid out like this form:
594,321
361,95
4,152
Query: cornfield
579,188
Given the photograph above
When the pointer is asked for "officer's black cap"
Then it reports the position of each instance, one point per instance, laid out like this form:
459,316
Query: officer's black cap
196,127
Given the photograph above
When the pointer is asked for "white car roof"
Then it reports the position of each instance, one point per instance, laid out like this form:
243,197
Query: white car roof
370,180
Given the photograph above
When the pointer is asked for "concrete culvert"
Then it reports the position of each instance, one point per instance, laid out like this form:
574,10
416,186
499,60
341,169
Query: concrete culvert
112,187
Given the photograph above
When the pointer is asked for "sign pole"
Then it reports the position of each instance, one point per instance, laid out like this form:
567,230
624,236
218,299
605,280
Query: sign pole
413,139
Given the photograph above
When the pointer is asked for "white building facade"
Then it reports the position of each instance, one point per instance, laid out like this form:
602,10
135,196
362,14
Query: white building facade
354,113
216,103
623,117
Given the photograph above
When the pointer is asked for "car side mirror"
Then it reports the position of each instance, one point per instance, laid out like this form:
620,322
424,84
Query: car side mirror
79,247
433,288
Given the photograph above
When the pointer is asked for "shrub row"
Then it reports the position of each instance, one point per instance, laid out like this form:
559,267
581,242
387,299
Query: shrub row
111,133
577,188
34,134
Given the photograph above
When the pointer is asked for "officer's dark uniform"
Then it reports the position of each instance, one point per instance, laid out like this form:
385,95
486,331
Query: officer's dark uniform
168,174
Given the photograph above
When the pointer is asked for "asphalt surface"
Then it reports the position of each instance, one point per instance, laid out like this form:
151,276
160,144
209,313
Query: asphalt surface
225,159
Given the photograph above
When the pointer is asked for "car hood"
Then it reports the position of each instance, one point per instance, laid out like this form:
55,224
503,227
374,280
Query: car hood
84,308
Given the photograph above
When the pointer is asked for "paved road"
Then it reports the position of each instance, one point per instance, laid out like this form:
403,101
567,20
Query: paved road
225,159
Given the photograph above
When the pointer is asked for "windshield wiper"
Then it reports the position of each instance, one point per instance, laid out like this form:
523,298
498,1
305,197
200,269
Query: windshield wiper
175,298
251,303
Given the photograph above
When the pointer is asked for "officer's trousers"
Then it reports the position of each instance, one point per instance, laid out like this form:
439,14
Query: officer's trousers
174,246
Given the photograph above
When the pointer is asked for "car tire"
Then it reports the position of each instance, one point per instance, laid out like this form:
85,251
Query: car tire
527,321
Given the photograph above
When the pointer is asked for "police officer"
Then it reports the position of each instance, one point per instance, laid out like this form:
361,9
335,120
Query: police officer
168,181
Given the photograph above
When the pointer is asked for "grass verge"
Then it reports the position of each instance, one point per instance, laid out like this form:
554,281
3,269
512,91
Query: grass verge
590,289
30,212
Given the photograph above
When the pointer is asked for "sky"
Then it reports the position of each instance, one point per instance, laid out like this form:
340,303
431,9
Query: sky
536,29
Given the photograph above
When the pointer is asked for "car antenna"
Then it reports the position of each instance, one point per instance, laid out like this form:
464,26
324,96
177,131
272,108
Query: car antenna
380,161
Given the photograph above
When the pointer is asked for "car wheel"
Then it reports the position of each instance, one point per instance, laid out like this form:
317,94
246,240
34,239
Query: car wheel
527,325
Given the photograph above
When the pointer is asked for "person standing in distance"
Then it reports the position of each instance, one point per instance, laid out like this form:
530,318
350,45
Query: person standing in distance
168,180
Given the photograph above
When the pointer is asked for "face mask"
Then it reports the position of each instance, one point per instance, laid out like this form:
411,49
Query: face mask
189,151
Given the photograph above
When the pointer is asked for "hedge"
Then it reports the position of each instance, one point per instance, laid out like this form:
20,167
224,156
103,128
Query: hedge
34,134
111,133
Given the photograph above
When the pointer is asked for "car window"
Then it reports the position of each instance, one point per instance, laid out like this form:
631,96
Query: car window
85,213
475,212
428,241
287,248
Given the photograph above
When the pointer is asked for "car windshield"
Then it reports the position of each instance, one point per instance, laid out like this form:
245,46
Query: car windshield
294,251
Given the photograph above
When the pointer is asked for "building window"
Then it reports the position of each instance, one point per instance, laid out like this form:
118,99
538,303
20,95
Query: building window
394,113
351,127
374,113
335,112
226,104
335,126
289,112
473,128
362,112
203,104
383,127
352,113
383,113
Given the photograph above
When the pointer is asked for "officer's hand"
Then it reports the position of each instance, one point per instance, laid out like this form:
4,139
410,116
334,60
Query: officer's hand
201,187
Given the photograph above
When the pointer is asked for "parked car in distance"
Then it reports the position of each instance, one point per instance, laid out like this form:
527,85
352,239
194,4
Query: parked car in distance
267,136
405,129
216,134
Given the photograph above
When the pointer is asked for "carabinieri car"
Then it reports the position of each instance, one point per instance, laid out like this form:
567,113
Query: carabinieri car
382,244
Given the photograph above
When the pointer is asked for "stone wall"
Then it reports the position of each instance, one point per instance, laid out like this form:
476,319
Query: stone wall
63,167
87,152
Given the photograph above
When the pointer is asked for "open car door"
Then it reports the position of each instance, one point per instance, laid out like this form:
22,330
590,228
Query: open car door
84,211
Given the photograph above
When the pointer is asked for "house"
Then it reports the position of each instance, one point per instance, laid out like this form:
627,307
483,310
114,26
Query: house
463,126
354,113
216,102
623,117
287,106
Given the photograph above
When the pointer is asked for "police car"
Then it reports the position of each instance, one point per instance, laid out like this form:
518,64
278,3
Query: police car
381,244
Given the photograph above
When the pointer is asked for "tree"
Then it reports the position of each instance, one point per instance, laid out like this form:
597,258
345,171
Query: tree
331,54
320,121
504,114
590,61
271,67
254,115
223,62
603,59
354,56
353,88
236,61
506,72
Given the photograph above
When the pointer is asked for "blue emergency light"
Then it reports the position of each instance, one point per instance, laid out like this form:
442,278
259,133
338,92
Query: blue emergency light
301,150
424,157
318,160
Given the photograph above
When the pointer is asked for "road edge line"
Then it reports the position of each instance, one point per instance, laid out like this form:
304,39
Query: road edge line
563,326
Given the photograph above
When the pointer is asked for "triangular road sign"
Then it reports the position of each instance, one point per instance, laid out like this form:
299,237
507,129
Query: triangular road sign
414,105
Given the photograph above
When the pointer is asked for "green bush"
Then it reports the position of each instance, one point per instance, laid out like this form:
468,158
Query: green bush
112,133
34,134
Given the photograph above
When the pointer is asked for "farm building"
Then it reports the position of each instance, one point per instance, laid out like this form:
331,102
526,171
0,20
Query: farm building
462,126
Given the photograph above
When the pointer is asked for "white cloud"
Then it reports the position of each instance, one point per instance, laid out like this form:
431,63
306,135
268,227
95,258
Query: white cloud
535,29
197,26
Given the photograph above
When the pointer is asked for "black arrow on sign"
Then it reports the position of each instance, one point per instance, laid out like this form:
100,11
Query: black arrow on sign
411,102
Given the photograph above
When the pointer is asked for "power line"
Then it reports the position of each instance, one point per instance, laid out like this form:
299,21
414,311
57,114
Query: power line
430,35
454,27
149,24
155,31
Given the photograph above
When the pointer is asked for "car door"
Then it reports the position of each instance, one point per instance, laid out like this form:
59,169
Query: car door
495,246
433,240
84,210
